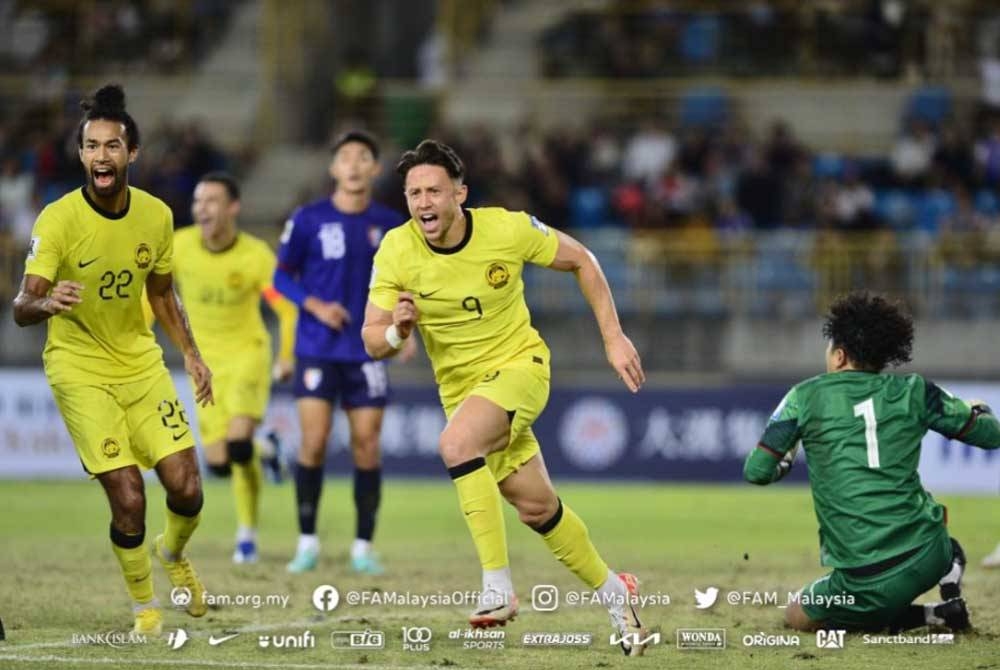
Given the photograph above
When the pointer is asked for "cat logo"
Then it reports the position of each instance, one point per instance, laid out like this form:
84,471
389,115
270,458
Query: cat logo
143,256
110,448
235,280
497,275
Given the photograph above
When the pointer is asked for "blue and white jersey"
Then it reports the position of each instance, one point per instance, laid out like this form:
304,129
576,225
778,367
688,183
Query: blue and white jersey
328,254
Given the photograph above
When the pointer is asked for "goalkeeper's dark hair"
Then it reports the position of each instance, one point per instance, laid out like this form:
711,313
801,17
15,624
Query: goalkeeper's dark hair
432,152
873,331
108,103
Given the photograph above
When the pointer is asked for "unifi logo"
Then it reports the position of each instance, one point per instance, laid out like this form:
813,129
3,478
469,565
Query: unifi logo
304,640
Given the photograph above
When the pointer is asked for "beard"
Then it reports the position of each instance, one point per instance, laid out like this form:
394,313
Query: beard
110,190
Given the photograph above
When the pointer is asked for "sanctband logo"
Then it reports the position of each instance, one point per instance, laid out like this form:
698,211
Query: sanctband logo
701,638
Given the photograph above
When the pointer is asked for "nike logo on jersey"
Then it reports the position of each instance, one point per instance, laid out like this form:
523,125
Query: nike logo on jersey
429,294
81,264
178,436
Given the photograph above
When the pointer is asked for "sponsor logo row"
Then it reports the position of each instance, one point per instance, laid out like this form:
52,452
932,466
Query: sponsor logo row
420,639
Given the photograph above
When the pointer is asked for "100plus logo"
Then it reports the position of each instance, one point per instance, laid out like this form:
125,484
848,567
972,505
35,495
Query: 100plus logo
304,640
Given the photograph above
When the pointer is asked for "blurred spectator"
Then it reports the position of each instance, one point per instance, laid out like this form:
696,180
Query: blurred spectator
17,213
987,155
912,154
648,153
758,193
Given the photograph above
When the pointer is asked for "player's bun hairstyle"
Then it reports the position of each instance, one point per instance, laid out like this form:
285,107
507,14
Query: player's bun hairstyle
227,180
108,103
432,152
872,331
359,136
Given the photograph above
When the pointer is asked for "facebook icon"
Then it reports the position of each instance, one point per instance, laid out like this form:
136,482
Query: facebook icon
326,598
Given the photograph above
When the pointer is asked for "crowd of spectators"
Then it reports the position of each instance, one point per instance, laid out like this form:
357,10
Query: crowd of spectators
160,36
885,38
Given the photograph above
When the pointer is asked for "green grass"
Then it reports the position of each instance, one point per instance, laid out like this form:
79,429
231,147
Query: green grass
60,579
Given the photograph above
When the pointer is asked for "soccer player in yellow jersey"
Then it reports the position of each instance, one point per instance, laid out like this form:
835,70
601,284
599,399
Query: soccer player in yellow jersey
91,253
223,273
455,274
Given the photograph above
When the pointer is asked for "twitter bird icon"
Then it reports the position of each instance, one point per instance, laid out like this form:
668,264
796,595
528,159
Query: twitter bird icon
706,598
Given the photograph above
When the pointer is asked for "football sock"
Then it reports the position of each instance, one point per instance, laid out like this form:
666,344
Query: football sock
219,470
360,548
915,616
498,580
246,481
367,494
567,538
307,543
136,565
613,592
308,486
180,525
479,499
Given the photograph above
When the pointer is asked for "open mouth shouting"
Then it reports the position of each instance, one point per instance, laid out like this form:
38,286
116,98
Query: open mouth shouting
430,223
104,177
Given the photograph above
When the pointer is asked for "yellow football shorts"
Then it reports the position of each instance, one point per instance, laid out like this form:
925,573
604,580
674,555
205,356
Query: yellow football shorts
117,425
241,384
522,388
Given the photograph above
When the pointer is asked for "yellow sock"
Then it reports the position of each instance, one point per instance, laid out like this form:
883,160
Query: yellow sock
570,542
137,568
479,498
178,532
246,490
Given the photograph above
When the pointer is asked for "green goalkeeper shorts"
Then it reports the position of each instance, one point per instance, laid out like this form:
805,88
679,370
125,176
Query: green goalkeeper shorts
844,600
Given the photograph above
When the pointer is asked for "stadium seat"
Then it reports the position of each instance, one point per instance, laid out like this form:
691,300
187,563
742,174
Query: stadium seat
706,107
987,203
932,208
931,104
895,208
588,207
828,166
699,41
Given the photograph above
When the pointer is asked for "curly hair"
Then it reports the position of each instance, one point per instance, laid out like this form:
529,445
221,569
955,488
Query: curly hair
872,331
108,103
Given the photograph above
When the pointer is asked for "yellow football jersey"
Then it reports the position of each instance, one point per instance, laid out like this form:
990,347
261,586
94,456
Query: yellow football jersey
222,291
473,317
104,339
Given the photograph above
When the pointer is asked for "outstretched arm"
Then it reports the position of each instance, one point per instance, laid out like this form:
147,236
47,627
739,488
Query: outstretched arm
970,421
169,311
772,458
572,256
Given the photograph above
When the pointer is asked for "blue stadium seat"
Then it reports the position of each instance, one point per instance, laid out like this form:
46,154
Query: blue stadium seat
987,203
588,207
706,107
895,208
931,104
699,41
828,166
932,208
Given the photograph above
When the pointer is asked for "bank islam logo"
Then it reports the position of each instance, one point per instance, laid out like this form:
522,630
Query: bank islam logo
180,596
357,639
417,638
326,598
701,638
706,598
830,639
304,640
177,639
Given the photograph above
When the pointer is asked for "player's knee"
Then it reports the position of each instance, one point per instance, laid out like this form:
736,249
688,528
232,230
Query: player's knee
542,515
129,511
240,451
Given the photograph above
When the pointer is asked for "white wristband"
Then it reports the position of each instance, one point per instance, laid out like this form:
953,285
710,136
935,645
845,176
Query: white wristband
393,338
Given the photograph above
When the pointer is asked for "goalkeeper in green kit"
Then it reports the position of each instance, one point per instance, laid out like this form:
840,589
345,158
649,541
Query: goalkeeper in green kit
883,535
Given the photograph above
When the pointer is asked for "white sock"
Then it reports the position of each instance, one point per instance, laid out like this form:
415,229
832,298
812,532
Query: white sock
953,576
360,548
613,592
929,615
308,543
498,580
246,534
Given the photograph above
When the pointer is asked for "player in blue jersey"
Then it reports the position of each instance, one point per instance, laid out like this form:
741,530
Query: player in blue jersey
324,266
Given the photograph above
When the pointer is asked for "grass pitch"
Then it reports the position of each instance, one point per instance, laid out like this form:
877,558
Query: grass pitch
60,580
